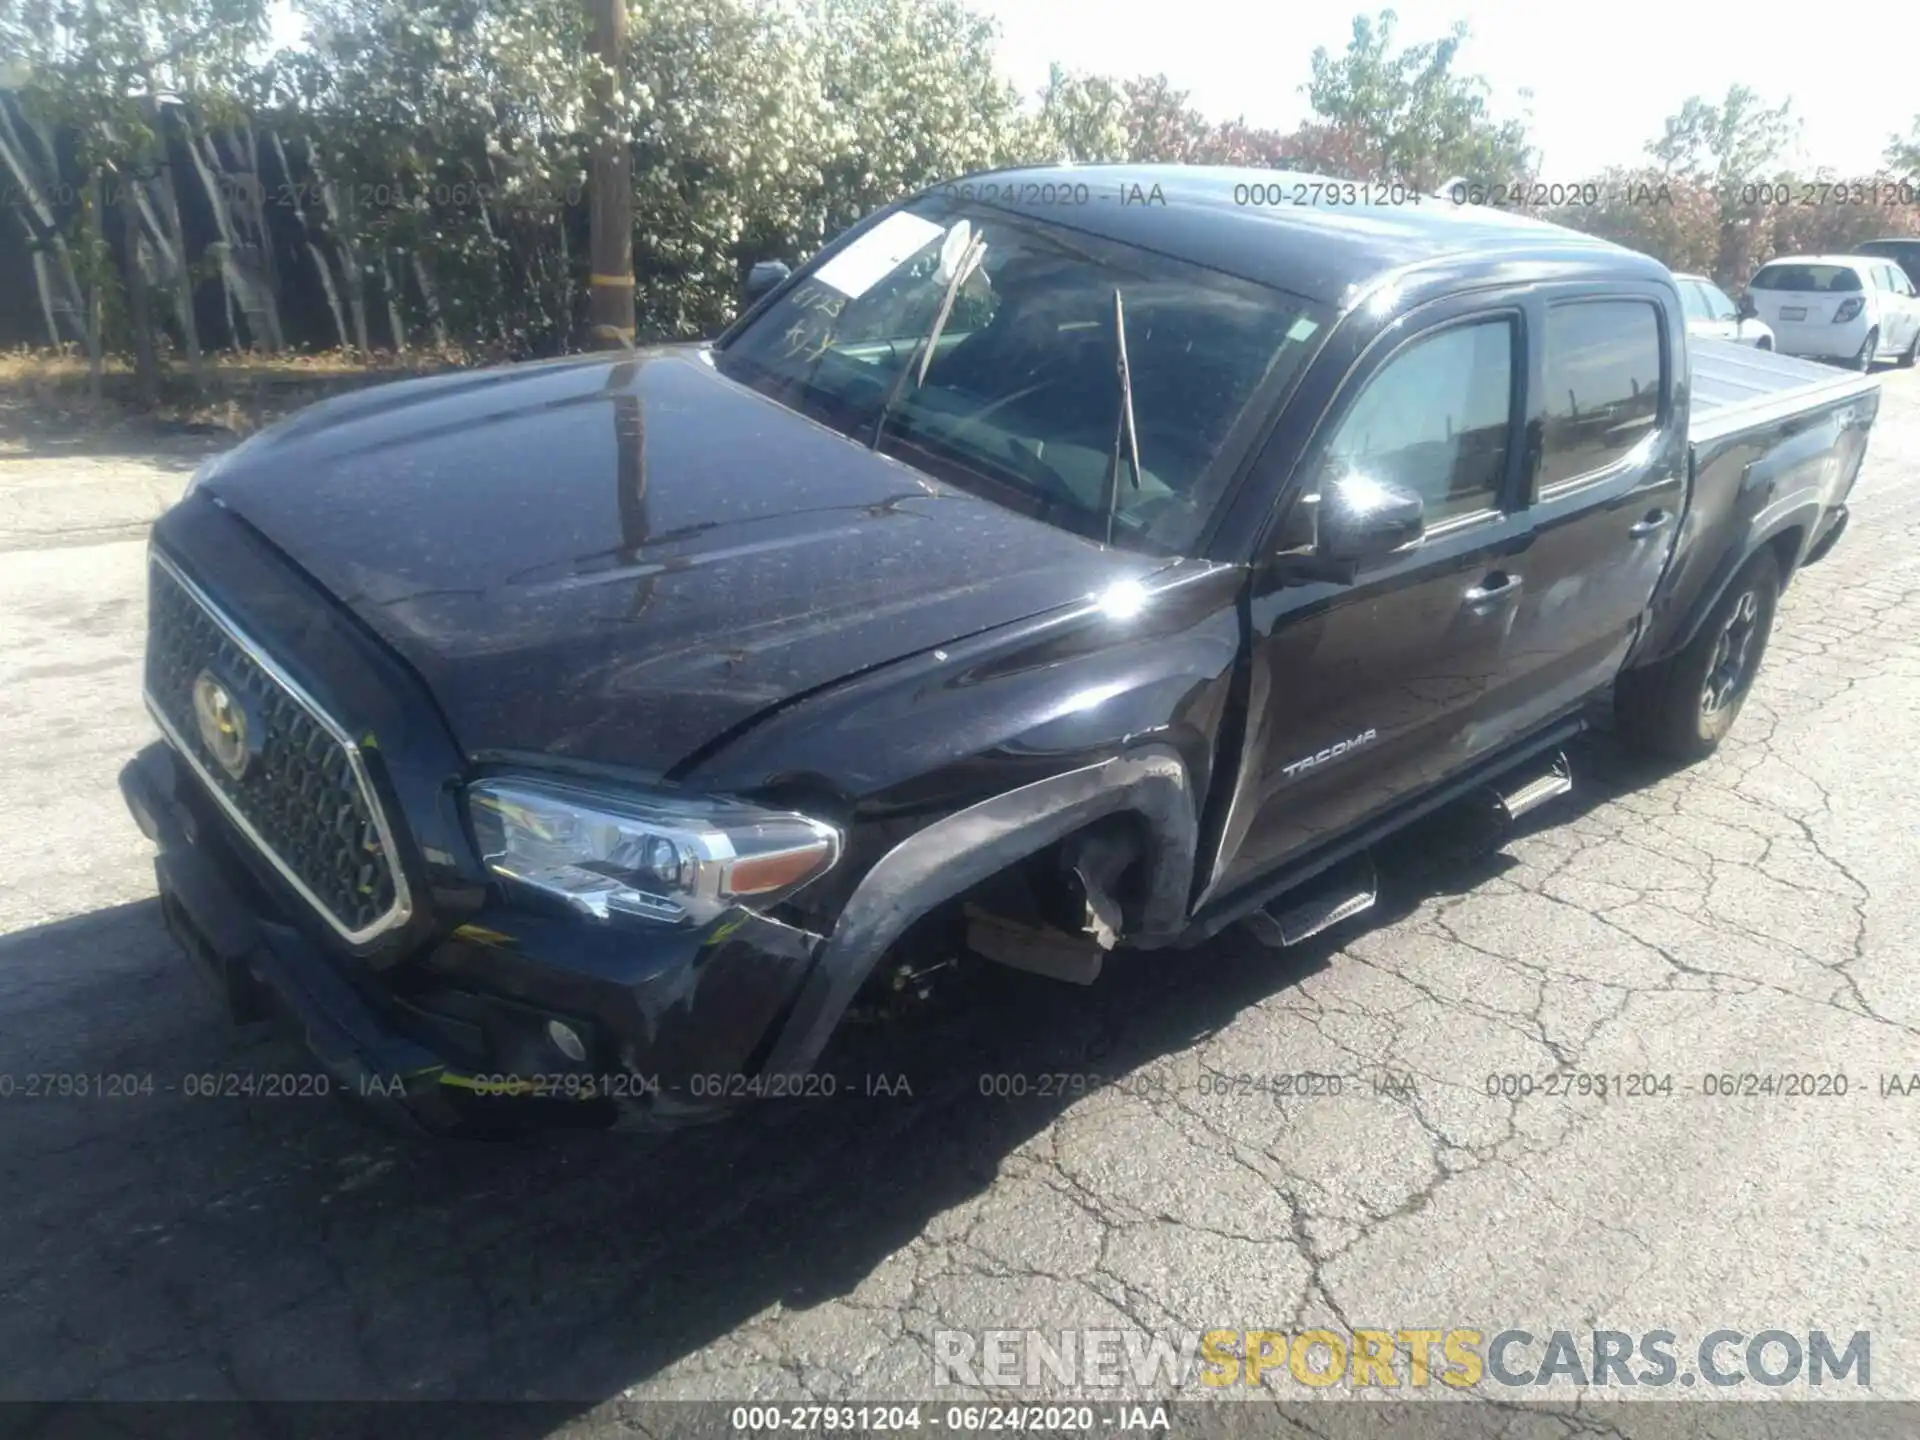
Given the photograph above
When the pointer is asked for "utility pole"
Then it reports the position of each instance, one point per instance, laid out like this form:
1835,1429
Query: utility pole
610,200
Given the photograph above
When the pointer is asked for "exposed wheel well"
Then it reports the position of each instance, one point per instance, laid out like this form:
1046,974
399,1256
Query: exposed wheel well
1786,549
958,852
1050,885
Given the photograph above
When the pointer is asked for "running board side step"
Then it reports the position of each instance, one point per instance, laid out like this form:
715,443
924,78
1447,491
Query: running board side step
1517,795
1323,902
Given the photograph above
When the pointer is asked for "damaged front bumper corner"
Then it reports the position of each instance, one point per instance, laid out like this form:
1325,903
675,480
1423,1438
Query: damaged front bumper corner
508,1021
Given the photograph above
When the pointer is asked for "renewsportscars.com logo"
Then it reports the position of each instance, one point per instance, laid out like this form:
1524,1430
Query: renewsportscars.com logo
1416,1358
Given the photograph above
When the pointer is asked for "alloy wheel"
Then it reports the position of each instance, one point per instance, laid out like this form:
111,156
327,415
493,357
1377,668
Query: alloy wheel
1728,672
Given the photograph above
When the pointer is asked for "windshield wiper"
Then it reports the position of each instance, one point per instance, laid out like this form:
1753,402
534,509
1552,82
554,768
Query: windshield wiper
1123,426
969,261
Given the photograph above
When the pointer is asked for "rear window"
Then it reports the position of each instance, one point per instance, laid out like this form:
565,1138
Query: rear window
1602,384
1833,279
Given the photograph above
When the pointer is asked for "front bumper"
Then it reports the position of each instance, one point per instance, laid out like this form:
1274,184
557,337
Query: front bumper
457,1037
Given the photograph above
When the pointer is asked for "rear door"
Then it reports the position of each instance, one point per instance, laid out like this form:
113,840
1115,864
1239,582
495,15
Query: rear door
1361,695
1886,304
1909,307
1607,483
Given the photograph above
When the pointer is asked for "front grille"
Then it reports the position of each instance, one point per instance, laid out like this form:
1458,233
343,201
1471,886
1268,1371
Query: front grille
302,796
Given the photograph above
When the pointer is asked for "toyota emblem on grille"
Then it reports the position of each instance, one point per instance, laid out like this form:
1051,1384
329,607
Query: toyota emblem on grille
225,728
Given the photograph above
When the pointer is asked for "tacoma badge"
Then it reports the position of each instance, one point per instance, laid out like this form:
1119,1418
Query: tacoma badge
1332,752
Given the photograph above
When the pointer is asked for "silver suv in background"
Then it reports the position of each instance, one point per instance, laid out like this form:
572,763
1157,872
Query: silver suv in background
1712,315
1904,252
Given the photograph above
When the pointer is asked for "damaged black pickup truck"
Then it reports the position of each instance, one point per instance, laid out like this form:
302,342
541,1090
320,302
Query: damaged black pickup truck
1017,579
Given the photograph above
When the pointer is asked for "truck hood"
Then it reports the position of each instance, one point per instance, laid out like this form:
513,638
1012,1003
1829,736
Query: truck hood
622,560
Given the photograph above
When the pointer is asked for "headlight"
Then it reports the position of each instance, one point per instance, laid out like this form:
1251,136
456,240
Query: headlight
660,857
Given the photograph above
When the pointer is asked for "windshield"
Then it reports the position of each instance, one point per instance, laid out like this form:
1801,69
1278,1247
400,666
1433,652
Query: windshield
1806,277
1021,396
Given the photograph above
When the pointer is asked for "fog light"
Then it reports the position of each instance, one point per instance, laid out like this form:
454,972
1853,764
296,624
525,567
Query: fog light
567,1040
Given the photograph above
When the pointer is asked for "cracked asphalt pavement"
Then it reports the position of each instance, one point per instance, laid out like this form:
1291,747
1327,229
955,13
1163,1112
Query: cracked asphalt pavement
1758,913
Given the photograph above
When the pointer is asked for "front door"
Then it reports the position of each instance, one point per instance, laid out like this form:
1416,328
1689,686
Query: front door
1363,694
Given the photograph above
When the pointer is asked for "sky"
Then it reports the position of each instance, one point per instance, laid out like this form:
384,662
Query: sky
1603,76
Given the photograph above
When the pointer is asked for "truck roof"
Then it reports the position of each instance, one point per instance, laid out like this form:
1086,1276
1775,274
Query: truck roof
1294,231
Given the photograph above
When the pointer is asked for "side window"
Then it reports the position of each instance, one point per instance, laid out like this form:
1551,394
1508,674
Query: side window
1602,385
1436,420
1693,300
1719,303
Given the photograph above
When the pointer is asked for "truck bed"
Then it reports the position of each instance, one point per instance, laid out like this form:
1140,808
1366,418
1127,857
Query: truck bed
1773,445
1736,387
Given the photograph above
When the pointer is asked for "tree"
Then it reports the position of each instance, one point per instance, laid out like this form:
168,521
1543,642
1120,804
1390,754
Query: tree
1408,113
1903,152
1675,220
1724,148
1082,118
1723,145
1341,151
131,82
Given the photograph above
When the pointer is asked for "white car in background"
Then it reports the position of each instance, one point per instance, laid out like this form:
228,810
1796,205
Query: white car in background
1853,308
1712,315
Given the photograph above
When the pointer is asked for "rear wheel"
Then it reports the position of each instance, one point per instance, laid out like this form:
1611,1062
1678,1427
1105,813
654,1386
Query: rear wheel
1682,707
1869,351
1765,342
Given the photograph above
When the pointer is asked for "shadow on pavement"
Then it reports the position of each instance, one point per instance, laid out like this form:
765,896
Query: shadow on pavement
166,1245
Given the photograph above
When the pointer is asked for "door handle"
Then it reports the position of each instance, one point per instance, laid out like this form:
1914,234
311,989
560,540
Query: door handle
1653,524
1496,589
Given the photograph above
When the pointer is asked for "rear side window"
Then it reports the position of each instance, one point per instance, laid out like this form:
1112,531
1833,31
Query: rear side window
1837,279
1602,385
1904,253
1436,420
1693,299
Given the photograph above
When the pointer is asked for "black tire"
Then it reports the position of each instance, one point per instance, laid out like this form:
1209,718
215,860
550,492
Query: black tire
1869,351
1682,707
1765,342
1910,354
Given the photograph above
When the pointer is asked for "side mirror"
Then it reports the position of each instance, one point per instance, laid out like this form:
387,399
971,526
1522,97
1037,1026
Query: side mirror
1746,308
1329,536
1364,519
764,277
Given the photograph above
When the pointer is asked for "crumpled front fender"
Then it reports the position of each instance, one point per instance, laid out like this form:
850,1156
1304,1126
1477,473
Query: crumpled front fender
958,852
